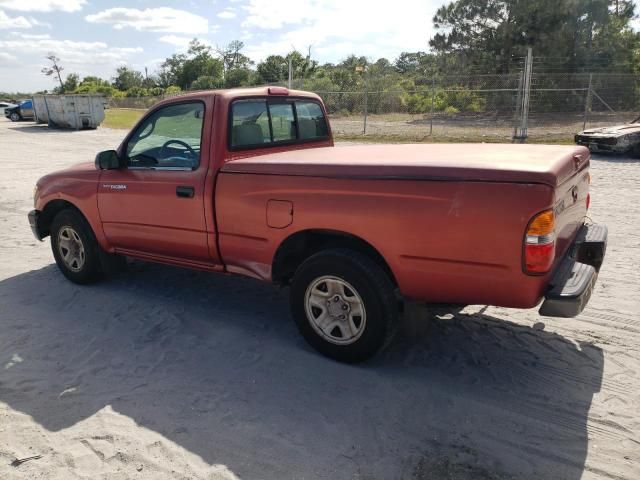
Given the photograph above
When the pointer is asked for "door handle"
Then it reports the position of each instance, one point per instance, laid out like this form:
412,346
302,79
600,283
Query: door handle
185,192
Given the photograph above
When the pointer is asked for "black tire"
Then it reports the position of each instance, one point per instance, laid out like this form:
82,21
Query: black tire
90,269
15,117
372,286
635,151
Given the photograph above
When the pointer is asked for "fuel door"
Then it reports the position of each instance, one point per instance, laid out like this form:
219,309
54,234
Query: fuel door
279,213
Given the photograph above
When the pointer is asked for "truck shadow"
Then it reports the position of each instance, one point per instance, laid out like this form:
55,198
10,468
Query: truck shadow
32,127
215,365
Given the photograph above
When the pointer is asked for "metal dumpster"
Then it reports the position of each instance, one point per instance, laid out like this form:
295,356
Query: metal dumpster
69,111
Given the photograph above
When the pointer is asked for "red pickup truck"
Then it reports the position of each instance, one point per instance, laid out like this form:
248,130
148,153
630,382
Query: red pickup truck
249,182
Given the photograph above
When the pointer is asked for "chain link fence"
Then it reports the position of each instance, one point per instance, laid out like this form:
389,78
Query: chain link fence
472,108
444,107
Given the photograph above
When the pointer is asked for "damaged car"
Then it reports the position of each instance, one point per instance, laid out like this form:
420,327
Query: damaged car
617,139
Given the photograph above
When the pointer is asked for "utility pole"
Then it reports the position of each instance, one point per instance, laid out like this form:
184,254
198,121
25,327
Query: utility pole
290,72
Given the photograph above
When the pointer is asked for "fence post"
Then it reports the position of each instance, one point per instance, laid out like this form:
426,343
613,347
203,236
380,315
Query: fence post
518,105
366,100
526,95
587,102
433,99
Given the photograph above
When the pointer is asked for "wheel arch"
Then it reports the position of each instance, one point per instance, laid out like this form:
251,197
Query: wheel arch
50,210
299,246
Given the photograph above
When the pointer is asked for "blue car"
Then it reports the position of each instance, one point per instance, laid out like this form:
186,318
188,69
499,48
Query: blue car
22,111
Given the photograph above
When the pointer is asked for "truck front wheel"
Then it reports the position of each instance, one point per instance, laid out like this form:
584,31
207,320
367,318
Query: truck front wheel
344,304
15,116
75,248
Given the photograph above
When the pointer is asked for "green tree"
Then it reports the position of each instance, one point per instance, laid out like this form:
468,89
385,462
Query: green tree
490,33
71,82
199,62
170,70
232,57
416,64
92,84
301,66
273,69
206,82
54,70
183,70
127,78
238,77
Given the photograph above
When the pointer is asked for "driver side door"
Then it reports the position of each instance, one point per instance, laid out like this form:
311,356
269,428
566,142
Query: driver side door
153,207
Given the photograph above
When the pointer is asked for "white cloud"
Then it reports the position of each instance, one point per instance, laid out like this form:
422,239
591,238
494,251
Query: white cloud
80,56
374,29
43,5
7,22
31,36
162,19
227,13
7,57
176,40
183,42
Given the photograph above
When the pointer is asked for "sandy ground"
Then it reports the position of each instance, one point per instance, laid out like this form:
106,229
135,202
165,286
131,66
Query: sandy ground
168,373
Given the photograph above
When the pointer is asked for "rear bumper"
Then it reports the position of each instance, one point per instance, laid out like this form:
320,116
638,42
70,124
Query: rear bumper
33,217
573,281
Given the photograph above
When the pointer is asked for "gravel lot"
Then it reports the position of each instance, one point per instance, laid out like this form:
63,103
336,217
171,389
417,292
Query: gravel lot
169,373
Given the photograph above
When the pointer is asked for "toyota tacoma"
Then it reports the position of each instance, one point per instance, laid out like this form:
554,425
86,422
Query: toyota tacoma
249,182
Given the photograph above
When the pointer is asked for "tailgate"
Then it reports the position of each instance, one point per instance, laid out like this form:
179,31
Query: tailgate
571,199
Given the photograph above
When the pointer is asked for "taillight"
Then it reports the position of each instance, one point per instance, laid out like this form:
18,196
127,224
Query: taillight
540,243
588,200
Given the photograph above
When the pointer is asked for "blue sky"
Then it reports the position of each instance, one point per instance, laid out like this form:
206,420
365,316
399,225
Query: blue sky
94,37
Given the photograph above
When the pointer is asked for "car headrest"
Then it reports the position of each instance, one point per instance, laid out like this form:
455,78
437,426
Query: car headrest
246,134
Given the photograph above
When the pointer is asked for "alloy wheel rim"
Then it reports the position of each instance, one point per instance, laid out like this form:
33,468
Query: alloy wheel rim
71,249
335,310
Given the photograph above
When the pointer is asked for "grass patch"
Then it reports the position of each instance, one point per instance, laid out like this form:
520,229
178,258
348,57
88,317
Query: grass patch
122,117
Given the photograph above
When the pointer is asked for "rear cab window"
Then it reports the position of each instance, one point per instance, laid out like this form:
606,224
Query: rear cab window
262,122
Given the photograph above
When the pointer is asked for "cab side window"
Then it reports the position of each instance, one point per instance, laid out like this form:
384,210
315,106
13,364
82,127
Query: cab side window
311,121
169,138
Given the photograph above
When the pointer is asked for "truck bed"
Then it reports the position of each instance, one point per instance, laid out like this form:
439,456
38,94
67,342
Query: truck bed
542,164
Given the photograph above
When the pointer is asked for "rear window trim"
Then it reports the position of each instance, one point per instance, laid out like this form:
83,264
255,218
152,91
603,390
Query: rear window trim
281,143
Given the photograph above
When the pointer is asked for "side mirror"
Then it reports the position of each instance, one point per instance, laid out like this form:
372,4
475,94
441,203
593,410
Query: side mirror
107,160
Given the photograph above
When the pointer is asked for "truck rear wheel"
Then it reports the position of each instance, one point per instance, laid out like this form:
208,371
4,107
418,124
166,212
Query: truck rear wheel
344,304
75,248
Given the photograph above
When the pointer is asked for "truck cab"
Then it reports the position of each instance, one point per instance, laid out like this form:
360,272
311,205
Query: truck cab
171,157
